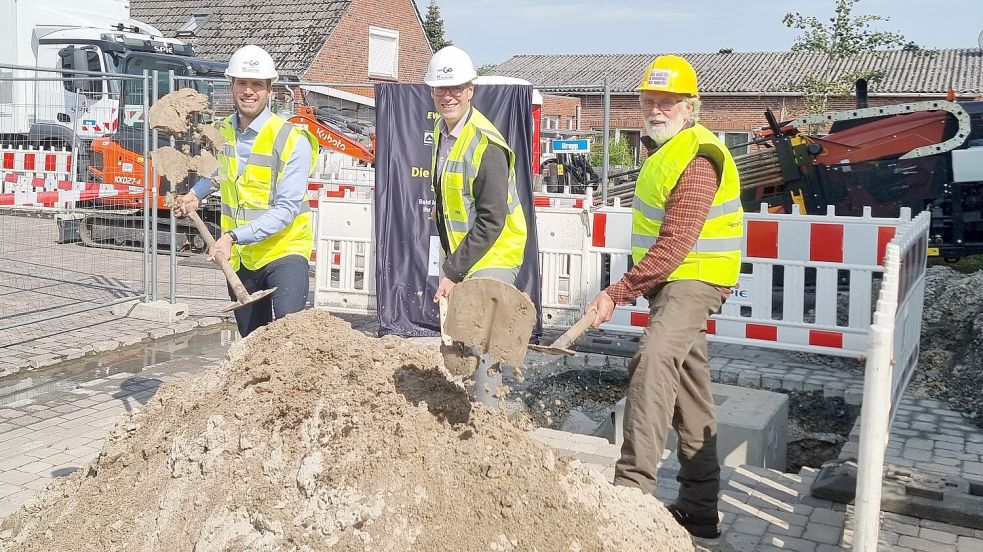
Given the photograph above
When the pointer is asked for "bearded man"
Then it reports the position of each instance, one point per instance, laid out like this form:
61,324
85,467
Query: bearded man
687,230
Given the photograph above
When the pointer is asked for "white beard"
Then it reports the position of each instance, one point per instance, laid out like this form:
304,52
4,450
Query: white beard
664,133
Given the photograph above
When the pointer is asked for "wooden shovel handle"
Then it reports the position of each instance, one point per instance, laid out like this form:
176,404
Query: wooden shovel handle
442,308
575,331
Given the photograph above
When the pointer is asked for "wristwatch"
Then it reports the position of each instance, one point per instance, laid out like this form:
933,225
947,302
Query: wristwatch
232,235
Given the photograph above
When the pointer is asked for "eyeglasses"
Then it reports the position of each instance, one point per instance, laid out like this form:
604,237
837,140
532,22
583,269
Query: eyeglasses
455,91
663,105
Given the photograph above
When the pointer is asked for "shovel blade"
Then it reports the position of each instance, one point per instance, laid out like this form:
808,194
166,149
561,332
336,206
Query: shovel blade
491,316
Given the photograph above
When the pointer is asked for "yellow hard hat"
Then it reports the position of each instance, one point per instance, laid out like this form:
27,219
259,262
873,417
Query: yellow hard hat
670,74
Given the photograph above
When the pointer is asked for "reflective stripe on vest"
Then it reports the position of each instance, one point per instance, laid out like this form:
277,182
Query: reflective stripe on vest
716,256
248,191
456,180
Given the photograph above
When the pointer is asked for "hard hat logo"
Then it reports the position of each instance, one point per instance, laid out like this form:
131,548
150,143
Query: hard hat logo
252,62
659,77
446,70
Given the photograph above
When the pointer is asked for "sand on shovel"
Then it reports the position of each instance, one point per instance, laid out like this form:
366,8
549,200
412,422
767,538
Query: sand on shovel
312,436
172,112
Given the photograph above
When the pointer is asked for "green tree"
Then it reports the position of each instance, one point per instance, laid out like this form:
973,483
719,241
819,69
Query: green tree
486,69
433,25
845,35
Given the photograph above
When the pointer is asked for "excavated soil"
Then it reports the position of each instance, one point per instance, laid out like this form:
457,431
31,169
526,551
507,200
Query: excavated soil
172,112
175,165
312,436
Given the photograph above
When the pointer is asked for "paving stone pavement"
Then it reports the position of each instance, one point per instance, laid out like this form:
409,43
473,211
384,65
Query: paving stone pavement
45,432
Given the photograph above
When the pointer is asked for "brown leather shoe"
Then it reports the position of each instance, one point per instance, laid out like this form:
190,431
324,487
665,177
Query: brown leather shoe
698,527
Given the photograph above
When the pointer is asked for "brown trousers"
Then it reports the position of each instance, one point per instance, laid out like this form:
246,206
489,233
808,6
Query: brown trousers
670,384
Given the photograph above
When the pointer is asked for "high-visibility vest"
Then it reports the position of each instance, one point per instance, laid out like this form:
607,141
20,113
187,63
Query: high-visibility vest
248,196
716,258
456,179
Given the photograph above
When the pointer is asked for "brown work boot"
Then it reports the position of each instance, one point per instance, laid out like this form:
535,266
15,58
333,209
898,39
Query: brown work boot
704,528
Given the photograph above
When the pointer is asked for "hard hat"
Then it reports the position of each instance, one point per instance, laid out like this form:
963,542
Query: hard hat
450,66
251,62
670,74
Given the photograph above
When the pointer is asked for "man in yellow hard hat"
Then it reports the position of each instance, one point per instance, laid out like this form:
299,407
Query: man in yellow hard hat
687,231
267,228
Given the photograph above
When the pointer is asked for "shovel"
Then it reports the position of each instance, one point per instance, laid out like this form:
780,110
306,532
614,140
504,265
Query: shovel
243,297
562,343
491,317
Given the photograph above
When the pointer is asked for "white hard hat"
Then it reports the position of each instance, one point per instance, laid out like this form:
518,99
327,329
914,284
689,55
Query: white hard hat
251,62
450,66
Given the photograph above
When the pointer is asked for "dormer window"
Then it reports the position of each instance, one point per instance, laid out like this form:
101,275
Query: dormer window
196,22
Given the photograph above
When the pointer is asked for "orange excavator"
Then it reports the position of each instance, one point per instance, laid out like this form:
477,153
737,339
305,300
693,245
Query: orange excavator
119,159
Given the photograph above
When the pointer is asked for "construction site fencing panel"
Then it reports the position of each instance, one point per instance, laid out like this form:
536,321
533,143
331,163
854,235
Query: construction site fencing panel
891,359
70,243
806,280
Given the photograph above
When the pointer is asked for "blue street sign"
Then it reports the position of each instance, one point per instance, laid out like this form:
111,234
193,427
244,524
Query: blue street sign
581,145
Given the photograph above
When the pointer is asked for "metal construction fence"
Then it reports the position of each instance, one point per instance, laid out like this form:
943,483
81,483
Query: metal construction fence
46,193
79,229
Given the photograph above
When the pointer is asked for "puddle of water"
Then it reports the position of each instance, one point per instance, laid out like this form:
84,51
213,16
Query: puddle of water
205,345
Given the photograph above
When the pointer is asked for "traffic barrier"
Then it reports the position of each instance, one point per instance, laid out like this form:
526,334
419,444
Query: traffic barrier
344,279
40,192
47,163
783,253
891,359
806,287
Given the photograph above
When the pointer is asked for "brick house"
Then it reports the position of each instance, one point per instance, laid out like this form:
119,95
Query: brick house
326,41
737,87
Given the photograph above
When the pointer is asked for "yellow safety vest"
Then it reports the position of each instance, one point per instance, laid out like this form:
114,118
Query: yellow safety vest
716,258
247,197
456,180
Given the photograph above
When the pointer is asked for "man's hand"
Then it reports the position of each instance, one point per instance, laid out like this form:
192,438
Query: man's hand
188,202
222,245
604,306
443,289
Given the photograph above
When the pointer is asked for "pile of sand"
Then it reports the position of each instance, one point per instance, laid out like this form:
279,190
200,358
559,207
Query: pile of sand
312,436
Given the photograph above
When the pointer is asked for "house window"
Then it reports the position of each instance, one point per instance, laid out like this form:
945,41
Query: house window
732,139
551,122
196,22
383,53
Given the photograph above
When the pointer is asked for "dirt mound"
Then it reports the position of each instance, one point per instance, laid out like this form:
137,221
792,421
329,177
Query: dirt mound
312,436
950,363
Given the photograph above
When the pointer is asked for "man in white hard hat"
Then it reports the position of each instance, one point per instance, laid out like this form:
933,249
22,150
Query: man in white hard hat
686,236
480,220
267,229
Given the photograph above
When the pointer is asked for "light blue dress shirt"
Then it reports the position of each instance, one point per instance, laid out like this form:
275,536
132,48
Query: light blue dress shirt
290,189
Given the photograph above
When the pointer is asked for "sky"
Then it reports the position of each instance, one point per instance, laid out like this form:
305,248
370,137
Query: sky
493,31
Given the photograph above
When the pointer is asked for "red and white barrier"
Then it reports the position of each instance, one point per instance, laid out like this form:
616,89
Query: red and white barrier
819,249
808,289
39,192
891,360
53,164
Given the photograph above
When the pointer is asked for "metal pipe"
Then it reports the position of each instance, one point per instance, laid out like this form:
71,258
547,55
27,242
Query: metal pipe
152,183
146,183
172,287
607,141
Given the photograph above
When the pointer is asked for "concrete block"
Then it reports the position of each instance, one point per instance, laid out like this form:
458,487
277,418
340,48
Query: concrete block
154,311
751,427
853,396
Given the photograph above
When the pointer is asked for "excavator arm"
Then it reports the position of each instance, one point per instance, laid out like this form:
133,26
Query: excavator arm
331,137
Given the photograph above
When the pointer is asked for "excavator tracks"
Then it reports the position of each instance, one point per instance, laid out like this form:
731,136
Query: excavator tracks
125,232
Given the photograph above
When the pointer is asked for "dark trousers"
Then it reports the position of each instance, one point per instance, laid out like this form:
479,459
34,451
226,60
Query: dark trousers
290,277
669,384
